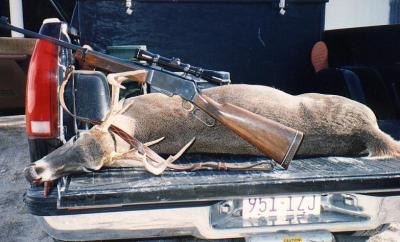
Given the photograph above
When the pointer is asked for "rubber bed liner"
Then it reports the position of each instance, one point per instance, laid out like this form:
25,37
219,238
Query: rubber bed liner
126,188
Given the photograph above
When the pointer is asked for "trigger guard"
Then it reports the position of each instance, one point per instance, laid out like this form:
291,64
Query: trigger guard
188,106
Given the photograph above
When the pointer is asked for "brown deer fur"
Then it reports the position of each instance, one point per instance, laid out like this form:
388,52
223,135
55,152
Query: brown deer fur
332,126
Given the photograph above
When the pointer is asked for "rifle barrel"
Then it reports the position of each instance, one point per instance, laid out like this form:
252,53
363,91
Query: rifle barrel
174,64
41,36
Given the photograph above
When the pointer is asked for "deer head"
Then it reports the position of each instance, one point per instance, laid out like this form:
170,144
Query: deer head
101,145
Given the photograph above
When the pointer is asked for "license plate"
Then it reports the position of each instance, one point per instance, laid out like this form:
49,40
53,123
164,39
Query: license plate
281,206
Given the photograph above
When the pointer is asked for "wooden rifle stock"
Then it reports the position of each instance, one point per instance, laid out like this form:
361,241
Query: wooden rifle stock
273,139
96,60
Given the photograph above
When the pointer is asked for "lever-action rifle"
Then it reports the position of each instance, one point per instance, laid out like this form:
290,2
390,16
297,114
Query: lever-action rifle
273,139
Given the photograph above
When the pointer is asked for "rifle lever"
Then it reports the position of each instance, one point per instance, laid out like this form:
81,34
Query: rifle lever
209,123
189,107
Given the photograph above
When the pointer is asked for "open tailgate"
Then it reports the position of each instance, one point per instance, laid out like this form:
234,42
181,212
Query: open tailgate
126,187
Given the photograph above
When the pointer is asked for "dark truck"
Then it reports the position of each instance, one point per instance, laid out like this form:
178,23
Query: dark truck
259,42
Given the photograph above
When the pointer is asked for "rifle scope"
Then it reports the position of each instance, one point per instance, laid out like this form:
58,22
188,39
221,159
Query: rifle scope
175,64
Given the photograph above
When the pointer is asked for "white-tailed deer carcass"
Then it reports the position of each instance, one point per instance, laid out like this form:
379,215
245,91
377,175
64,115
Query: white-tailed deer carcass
332,126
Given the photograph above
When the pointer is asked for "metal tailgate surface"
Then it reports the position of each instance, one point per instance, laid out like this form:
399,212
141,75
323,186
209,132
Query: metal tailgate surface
129,186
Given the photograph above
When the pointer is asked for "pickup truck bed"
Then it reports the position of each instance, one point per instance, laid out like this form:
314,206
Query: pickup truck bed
126,187
356,194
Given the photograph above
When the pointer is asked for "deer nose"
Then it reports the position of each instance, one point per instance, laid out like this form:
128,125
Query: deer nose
31,174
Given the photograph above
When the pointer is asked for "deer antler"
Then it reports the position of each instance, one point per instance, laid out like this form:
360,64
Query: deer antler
115,80
157,164
160,168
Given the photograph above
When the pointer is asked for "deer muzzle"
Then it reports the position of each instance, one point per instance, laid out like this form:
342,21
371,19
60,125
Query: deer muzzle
31,174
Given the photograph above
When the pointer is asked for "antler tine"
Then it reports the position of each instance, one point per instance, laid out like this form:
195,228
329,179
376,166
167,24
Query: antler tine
160,167
115,80
150,143
173,158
